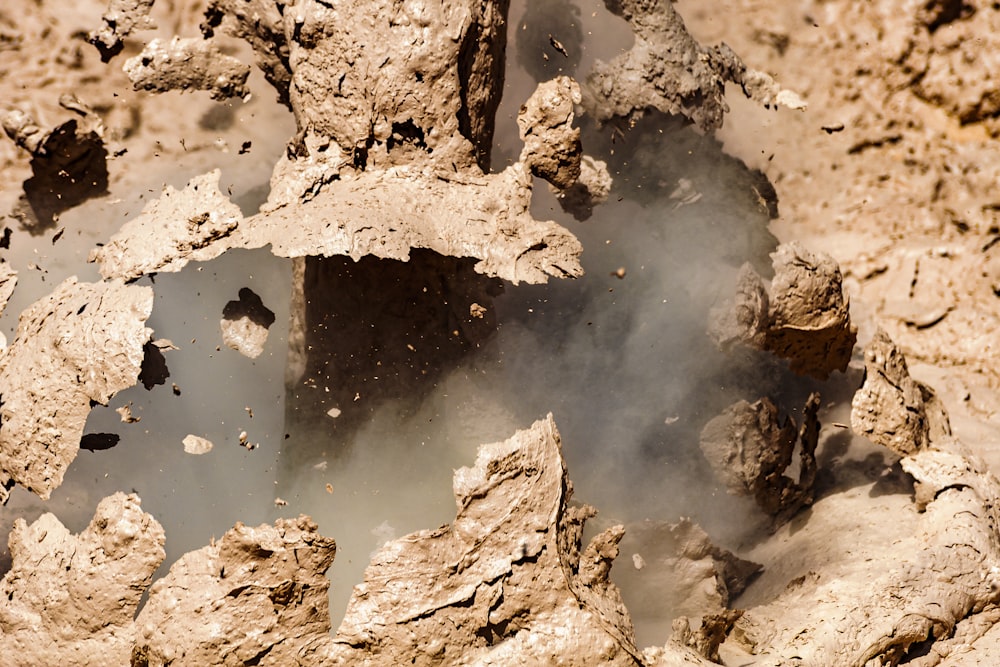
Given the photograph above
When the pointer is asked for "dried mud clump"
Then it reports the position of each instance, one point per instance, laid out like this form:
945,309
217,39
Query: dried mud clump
711,633
121,18
749,448
8,281
245,323
552,146
746,318
188,64
805,318
258,596
669,71
505,583
892,409
74,348
179,227
810,321
70,599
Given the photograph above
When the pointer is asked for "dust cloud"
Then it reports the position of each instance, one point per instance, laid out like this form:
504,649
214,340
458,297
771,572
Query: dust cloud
620,356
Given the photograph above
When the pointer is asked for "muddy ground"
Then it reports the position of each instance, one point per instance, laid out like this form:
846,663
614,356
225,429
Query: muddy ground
880,548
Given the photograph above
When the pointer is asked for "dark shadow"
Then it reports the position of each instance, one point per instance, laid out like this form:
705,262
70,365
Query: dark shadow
69,168
97,442
154,367
372,331
249,306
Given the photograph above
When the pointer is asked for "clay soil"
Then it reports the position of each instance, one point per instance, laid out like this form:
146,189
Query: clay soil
892,170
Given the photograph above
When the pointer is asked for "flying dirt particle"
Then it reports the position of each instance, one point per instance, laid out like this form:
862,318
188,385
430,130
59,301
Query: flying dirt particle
125,412
619,273
245,147
671,420
638,562
558,46
477,311
322,465
333,413
831,129
96,442
58,235
249,411
329,488
280,502
176,389
196,445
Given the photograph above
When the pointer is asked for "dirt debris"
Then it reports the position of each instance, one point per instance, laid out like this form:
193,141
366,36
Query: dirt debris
388,213
99,442
669,71
179,227
197,445
257,596
591,189
746,318
892,409
154,369
125,412
245,324
76,347
810,321
855,610
805,318
711,632
70,599
188,64
400,161
859,610
121,18
749,448
552,146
